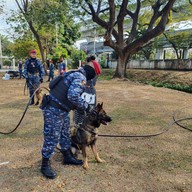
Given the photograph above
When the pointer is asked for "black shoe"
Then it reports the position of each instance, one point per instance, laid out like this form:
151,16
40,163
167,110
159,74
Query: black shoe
32,101
46,169
69,159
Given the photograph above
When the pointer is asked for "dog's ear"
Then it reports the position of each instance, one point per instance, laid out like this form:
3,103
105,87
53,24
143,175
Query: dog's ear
100,106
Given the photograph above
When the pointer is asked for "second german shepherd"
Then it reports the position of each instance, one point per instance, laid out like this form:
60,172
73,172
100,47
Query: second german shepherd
86,134
38,95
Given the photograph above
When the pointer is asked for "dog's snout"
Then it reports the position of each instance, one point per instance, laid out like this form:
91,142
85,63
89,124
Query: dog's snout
109,119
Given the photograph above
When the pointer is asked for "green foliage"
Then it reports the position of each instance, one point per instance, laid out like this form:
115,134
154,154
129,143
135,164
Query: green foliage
6,44
182,11
59,52
7,62
179,87
69,33
42,17
103,61
181,39
106,74
147,52
21,48
77,55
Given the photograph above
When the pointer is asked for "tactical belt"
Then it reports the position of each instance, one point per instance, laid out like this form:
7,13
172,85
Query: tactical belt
53,103
32,74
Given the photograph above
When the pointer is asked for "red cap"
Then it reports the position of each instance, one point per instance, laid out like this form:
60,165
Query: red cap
97,67
33,51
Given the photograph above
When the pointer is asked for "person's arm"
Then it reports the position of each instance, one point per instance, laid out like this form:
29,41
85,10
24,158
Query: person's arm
94,80
59,67
52,67
65,67
25,70
74,94
41,70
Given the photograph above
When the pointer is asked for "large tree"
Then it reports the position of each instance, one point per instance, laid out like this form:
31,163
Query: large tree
117,17
50,21
179,41
21,47
41,16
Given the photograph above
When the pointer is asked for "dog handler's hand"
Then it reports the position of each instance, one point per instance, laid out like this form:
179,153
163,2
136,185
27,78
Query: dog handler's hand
81,112
88,109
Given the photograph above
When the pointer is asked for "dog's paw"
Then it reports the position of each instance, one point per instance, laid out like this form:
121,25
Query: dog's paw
85,166
99,160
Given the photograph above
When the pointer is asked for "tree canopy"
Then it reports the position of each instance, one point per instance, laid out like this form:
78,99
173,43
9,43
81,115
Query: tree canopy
6,45
123,21
41,18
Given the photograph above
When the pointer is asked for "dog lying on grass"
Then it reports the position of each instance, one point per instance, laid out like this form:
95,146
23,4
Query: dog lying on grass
87,133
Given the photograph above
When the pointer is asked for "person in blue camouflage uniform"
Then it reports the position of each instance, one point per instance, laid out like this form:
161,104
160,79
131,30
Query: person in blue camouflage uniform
51,70
89,95
62,67
33,72
20,69
65,95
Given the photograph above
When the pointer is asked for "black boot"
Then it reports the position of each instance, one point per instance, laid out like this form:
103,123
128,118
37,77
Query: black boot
69,159
32,101
46,169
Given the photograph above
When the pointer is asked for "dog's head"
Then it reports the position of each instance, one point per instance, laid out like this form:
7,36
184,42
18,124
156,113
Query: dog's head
99,116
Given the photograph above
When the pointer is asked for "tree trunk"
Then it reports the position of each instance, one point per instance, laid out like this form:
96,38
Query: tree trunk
39,44
40,48
120,69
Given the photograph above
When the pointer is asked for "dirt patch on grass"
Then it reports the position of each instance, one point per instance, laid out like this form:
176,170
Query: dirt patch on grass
154,164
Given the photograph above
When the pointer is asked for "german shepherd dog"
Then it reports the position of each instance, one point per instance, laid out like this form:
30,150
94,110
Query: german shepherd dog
87,133
38,95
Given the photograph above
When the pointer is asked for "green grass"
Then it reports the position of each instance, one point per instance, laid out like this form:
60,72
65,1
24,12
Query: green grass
107,74
179,87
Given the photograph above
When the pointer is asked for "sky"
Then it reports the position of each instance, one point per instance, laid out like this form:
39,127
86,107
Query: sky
9,5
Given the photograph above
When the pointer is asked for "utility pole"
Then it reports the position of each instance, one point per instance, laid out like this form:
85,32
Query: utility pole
1,55
94,41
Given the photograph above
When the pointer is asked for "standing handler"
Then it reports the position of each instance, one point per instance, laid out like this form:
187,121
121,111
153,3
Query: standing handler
89,93
51,70
62,66
65,95
33,72
20,69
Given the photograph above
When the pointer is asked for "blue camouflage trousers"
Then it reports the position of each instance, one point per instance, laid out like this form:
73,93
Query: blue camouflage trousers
51,74
56,130
32,84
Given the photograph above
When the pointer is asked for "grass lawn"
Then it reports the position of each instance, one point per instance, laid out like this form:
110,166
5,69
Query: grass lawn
155,164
